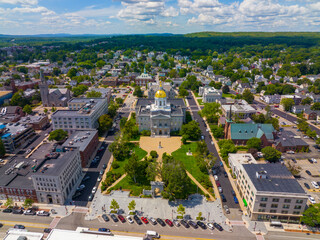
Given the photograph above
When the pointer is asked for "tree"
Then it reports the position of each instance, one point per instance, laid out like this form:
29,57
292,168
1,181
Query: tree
248,96
199,216
254,143
287,103
27,109
311,216
18,99
183,92
53,109
123,122
27,203
72,73
2,149
315,106
152,171
306,101
211,111
45,110
225,89
173,73
132,205
120,150
138,92
94,94
154,154
181,210
119,101
9,202
271,154
79,90
105,123
112,109
131,168
100,63
23,69
294,169
217,131
114,205
58,135
191,130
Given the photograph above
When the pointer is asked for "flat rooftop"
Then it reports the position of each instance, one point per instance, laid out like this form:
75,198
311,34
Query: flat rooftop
15,234
80,139
4,93
31,119
278,180
242,158
59,234
14,128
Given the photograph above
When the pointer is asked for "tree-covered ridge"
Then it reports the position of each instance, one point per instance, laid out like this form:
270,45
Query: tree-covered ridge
254,34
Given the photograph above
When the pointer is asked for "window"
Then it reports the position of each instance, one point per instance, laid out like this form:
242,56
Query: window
287,200
262,205
284,211
261,210
264,199
299,201
286,206
296,212
297,207
273,211
274,205
275,200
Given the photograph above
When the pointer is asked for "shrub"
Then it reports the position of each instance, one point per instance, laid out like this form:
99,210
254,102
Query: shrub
145,133
115,165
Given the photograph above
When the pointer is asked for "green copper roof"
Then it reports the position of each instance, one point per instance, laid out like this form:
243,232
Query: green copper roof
246,131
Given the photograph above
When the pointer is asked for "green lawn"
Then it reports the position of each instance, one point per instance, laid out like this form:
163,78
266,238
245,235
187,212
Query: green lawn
228,95
128,184
200,101
190,162
196,94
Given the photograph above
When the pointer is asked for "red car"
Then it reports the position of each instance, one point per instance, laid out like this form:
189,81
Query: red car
218,184
121,218
169,222
145,220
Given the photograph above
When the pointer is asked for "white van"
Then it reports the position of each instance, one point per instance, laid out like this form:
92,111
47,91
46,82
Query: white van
152,234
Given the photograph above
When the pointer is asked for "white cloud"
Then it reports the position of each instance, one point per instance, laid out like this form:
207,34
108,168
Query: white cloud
23,2
170,12
42,10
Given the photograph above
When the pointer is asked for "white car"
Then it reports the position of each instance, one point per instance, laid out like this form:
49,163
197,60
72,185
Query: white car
290,152
220,189
216,177
312,200
313,160
210,226
94,190
99,179
129,219
315,185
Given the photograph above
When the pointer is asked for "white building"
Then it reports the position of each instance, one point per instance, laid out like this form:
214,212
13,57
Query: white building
154,87
243,111
57,176
270,192
237,159
23,234
209,94
83,114
160,115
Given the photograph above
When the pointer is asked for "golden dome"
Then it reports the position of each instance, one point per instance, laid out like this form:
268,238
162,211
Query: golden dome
160,93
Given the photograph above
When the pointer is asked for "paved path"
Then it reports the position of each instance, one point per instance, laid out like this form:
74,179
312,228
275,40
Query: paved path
259,237
55,222
200,186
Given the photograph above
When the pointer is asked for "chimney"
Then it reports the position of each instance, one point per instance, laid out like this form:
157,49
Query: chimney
261,175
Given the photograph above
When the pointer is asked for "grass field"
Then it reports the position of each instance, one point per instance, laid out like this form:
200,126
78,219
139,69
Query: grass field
128,184
196,94
190,162
200,101
228,95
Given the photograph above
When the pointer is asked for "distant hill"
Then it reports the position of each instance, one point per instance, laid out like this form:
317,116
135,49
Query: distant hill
253,34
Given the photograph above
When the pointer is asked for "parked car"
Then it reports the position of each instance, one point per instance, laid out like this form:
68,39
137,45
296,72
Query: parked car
293,160
104,166
176,223
145,220
202,225
184,223
129,219
47,230
226,208
121,218
217,226
220,189
94,189
233,193
137,219
81,187
193,224
308,172
210,226
314,184
99,179
17,211
85,178
161,222
105,217
104,230
216,177
7,210
225,174
153,221
43,213
169,222
235,199
290,152
312,200
29,212
218,184
223,198
101,172
114,218
19,226
307,185
90,197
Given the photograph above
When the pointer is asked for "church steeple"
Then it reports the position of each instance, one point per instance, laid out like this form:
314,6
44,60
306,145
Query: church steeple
42,78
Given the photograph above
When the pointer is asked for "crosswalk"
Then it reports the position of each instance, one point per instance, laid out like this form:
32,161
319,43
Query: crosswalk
259,237
237,223
54,222
80,210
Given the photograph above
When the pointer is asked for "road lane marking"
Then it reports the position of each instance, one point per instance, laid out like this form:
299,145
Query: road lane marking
304,238
23,223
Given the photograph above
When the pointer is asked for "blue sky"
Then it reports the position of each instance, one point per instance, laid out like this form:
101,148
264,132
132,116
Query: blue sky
156,16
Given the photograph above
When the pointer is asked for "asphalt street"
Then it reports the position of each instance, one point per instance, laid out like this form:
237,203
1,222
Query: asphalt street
224,181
